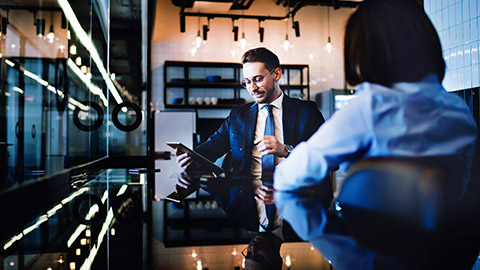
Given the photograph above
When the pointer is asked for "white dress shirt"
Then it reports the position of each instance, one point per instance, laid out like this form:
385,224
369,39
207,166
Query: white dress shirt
257,157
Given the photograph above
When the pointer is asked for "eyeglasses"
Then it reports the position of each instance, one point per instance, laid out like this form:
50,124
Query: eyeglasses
258,80
256,257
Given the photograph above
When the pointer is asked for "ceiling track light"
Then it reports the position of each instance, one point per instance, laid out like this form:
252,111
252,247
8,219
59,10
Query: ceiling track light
182,22
40,23
64,22
4,26
235,31
296,26
335,4
206,28
261,31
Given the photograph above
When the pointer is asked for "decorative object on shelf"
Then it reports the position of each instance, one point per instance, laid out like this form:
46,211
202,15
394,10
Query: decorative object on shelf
208,101
214,100
213,78
177,100
177,80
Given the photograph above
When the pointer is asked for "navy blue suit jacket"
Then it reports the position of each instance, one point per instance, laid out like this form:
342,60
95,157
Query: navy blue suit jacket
301,119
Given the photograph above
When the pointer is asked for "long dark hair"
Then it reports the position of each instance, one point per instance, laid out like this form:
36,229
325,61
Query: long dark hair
389,41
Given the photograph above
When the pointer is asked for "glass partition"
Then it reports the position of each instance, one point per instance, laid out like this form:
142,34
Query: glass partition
63,116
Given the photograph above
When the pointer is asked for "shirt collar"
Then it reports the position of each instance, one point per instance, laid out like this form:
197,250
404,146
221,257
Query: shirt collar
277,103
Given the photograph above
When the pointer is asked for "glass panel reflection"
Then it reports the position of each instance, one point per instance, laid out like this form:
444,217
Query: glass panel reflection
94,227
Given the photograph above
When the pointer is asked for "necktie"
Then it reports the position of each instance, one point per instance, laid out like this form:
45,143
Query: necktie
268,166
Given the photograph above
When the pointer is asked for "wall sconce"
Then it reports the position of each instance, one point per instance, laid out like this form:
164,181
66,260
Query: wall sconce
235,31
40,23
261,31
296,26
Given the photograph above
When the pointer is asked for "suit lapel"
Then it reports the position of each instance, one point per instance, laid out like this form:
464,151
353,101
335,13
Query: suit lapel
289,118
250,124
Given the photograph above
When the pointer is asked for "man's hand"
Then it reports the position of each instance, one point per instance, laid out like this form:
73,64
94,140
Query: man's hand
270,145
265,195
183,159
184,181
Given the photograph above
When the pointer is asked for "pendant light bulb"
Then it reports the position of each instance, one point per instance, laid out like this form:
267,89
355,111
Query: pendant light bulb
51,36
243,41
286,43
328,46
198,40
73,49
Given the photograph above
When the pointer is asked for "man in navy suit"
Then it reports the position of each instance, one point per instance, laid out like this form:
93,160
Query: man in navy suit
242,133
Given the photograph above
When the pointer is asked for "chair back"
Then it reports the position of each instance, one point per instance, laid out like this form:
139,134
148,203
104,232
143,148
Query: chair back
401,206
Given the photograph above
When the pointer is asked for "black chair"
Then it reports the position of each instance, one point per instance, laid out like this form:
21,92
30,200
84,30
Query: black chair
411,209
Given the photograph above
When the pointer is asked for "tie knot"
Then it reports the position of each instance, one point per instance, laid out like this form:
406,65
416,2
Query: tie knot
269,108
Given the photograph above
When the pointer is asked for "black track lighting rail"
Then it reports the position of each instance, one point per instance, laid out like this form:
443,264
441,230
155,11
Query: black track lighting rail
30,8
235,16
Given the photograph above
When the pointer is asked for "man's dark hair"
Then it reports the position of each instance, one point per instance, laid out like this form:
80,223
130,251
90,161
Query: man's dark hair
263,55
389,41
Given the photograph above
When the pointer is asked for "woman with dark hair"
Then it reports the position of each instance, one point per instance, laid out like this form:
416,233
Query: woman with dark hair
393,51
401,110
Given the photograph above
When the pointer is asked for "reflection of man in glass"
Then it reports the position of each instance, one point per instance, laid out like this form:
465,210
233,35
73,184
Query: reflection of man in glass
263,252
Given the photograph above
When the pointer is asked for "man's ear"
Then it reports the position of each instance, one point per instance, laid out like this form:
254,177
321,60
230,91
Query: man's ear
278,73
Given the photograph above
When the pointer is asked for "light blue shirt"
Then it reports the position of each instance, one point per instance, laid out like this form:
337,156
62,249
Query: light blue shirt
409,119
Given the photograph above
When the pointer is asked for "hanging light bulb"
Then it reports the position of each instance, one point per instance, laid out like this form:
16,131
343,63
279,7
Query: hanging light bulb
51,36
78,61
328,46
288,261
243,41
286,43
198,40
73,49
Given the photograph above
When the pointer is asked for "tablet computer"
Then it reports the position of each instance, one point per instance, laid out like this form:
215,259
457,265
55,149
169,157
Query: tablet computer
182,193
201,160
